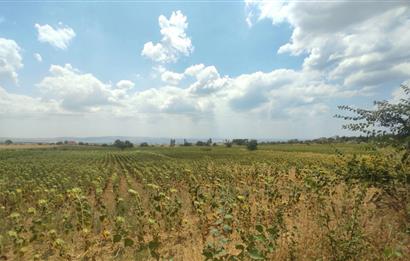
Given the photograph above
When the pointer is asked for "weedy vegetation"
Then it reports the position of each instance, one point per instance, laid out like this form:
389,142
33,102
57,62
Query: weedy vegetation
185,203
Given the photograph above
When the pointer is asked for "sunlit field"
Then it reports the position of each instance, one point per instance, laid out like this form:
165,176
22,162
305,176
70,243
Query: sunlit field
280,202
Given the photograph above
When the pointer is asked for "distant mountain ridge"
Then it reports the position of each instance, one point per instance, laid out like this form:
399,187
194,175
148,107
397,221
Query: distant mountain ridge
111,139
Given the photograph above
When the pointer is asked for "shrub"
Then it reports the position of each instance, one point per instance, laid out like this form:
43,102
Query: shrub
252,145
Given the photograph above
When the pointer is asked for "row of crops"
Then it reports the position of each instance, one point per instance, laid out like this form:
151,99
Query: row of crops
196,204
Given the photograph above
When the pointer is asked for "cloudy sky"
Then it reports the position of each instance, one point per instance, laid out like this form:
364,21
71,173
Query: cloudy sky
262,69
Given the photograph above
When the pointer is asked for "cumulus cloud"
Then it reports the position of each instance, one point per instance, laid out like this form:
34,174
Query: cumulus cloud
169,100
125,85
207,78
281,93
355,43
10,60
174,42
278,93
59,37
17,104
172,78
75,90
204,96
38,57
167,76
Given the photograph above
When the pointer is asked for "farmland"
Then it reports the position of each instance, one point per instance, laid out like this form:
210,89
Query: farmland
280,202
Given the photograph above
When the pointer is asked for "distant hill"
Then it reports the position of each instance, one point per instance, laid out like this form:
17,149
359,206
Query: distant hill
111,139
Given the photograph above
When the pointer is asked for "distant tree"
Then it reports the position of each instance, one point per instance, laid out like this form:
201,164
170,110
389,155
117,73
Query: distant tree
123,144
240,142
172,143
119,144
104,145
200,143
209,142
59,143
66,142
228,143
388,122
252,145
128,144
8,142
186,143
293,141
144,144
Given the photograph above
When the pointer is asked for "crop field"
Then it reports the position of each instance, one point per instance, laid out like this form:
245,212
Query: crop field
280,202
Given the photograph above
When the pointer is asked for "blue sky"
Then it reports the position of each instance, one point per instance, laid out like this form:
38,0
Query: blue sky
124,28
271,69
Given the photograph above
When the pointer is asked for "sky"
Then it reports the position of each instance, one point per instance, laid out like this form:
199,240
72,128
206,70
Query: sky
227,69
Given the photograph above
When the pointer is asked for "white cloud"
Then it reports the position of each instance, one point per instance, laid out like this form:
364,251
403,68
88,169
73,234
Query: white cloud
281,93
168,100
208,80
172,78
12,105
355,44
38,57
276,94
75,90
10,60
167,76
174,42
203,98
125,85
59,37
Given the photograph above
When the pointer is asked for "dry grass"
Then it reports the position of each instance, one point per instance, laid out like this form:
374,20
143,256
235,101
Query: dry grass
323,217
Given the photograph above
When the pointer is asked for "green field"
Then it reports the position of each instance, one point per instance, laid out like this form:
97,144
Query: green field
280,202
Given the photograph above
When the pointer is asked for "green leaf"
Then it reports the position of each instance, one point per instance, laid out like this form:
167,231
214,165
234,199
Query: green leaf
256,255
154,244
239,246
260,228
273,232
116,238
207,254
218,222
228,217
260,238
128,242
214,232
227,228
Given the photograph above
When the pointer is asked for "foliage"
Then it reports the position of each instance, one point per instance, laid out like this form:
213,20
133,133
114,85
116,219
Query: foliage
203,143
285,202
144,144
252,145
122,144
240,142
228,143
388,121
187,143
